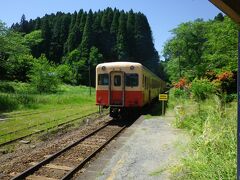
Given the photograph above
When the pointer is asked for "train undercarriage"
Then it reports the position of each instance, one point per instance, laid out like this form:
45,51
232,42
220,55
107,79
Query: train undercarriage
123,112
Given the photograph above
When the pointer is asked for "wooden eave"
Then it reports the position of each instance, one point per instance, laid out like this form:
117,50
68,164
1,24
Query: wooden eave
229,7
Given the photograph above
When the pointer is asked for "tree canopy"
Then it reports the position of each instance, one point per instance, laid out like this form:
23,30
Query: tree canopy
199,47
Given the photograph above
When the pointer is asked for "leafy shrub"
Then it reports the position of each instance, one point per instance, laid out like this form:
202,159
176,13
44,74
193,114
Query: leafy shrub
182,84
180,93
25,99
43,76
6,87
7,102
230,97
227,82
65,73
201,89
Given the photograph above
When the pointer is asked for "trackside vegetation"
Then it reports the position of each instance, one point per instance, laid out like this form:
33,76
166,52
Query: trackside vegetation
201,63
211,121
25,112
212,151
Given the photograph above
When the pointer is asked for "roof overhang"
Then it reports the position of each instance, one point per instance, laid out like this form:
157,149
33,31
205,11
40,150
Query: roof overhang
230,8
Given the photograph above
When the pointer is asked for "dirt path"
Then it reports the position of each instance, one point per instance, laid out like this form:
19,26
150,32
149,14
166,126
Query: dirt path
148,152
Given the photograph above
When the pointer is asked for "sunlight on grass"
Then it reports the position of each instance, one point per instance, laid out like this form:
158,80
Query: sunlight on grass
50,111
212,153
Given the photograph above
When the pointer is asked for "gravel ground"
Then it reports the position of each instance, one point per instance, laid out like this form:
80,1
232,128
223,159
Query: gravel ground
148,152
21,158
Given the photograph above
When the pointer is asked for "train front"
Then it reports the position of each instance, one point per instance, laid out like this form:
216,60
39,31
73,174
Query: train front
118,87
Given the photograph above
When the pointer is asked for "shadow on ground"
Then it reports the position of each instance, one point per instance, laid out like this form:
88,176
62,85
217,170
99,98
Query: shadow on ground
154,109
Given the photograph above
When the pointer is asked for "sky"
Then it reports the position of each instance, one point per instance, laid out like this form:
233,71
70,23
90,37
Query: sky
163,15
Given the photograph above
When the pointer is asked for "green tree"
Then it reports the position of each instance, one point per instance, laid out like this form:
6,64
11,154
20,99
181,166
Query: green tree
122,48
47,35
220,52
186,49
66,74
12,50
43,76
87,36
130,33
34,38
201,46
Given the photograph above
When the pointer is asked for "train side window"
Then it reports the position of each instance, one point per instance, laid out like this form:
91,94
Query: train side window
103,79
143,80
117,80
132,80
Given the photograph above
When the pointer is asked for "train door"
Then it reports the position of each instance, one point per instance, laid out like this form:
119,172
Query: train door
117,88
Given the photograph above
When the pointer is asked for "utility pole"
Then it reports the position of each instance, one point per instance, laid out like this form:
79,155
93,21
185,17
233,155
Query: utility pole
238,113
89,77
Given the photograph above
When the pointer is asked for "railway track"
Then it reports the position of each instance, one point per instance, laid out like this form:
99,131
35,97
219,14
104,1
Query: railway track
47,122
69,160
10,116
40,131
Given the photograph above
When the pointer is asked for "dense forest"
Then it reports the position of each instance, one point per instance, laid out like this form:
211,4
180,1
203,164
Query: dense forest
73,42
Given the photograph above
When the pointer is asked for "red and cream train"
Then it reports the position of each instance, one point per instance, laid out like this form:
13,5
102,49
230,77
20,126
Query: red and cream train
125,86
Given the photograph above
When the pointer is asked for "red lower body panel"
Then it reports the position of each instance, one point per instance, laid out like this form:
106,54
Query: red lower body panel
131,99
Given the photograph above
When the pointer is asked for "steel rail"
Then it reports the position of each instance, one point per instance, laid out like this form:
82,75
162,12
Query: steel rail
70,174
34,168
37,132
13,115
40,124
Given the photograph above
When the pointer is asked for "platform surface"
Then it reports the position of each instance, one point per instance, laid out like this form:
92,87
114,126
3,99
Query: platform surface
146,150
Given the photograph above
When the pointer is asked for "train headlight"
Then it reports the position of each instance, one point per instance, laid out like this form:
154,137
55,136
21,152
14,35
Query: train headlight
103,68
132,67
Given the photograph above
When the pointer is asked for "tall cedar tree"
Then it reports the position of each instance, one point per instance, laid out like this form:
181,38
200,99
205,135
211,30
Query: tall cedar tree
87,36
122,48
118,36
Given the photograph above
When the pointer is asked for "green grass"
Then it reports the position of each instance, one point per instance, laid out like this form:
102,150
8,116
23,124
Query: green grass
212,152
158,172
45,111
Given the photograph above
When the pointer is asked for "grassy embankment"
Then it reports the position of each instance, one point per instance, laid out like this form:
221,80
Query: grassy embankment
24,112
212,151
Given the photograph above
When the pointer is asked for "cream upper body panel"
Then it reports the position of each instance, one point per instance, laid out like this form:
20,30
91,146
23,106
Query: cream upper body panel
126,67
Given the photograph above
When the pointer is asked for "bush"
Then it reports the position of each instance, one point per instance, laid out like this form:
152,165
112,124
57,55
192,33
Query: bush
43,76
202,89
7,102
177,93
6,87
65,73
181,84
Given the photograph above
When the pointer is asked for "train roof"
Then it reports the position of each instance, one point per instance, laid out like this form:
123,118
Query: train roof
122,64
126,64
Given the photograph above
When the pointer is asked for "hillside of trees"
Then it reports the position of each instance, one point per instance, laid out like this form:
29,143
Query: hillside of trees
74,41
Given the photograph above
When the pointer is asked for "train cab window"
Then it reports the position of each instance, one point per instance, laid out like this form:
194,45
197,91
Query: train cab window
117,80
131,80
103,79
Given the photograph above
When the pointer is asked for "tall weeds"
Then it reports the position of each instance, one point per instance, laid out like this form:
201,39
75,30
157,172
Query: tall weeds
212,153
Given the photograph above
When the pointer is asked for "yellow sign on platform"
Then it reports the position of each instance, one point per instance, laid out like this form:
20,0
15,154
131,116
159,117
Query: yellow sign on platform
163,97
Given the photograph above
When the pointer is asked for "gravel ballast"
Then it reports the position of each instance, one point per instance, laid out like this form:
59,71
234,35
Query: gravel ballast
148,152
